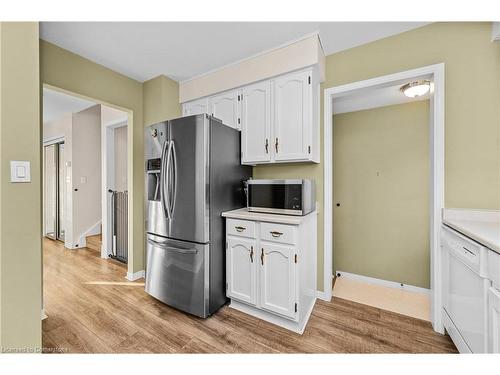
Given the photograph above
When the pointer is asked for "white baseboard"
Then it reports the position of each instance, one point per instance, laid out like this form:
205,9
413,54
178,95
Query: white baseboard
386,283
324,296
93,230
44,315
135,276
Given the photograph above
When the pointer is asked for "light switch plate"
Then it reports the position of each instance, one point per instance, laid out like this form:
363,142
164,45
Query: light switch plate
20,171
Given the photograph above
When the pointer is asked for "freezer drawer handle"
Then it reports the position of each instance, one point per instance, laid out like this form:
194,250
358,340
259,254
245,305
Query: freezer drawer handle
163,245
240,229
276,234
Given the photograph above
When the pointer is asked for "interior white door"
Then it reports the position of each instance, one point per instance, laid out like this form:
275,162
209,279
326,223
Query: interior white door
494,320
292,116
277,279
241,260
256,123
195,107
226,108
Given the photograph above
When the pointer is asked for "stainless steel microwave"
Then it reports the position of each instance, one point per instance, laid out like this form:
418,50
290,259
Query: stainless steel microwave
290,197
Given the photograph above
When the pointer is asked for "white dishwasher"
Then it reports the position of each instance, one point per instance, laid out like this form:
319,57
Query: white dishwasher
465,291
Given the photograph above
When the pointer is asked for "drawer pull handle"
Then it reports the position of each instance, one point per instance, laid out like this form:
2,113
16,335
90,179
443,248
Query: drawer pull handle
251,254
276,234
262,256
240,229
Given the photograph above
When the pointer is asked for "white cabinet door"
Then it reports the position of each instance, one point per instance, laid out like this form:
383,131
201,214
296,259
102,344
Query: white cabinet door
494,320
277,279
226,108
256,123
292,117
241,260
195,107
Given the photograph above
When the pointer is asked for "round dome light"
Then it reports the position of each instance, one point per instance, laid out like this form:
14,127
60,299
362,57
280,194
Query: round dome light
416,88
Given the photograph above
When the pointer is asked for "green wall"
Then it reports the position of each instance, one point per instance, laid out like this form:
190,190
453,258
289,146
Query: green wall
472,97
381,180
20,203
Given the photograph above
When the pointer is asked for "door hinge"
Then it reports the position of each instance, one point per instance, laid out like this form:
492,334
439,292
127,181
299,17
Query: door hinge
309,79
295,306
309,149
295,258
226,245
227,287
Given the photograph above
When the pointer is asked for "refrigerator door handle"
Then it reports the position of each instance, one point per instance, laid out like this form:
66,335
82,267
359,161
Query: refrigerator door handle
173,181
162,178
167,183
165,246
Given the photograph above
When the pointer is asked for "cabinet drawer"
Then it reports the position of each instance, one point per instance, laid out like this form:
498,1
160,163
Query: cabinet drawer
277,233
243,228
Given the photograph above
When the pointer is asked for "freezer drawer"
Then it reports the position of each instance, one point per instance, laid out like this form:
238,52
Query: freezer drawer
177,274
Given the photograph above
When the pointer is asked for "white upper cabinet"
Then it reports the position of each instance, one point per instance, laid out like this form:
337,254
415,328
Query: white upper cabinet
226,108
278,118
256,123
195,107
292,117
277,279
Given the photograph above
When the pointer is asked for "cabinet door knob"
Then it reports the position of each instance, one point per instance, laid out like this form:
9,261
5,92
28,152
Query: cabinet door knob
251,254
267,146
240,229
262,256
276,144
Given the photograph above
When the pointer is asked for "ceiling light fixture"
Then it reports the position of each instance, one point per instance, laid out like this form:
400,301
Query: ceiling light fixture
416,88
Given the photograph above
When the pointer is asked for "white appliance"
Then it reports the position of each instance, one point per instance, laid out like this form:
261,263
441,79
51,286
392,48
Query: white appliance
465,291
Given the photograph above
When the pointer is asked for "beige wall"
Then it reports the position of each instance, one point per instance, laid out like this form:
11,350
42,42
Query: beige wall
472,121
20,204
86,164
120,158
381,180
161,100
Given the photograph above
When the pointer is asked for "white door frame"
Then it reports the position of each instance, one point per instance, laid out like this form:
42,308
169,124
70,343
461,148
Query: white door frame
436,134
108,178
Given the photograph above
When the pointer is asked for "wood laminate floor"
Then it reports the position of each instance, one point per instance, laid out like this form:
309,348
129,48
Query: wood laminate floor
91,308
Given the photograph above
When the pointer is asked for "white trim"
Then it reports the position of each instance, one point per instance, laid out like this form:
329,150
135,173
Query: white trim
261,53
436,126
324,296
53,140
93,230
386,283
135,276
44,315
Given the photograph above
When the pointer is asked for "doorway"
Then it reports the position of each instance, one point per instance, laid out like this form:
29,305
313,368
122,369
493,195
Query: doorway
54,177
436,172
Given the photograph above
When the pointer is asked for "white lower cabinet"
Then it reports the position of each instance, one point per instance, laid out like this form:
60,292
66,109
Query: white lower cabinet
277,279
494,320
271,267
241,269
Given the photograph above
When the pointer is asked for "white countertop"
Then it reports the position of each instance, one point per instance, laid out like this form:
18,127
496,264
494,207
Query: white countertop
482,226
244,214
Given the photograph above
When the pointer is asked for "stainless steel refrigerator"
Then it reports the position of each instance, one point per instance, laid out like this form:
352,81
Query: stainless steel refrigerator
193,174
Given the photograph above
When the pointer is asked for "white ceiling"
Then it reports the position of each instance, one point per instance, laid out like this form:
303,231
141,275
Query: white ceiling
57,104
182,50
375,97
